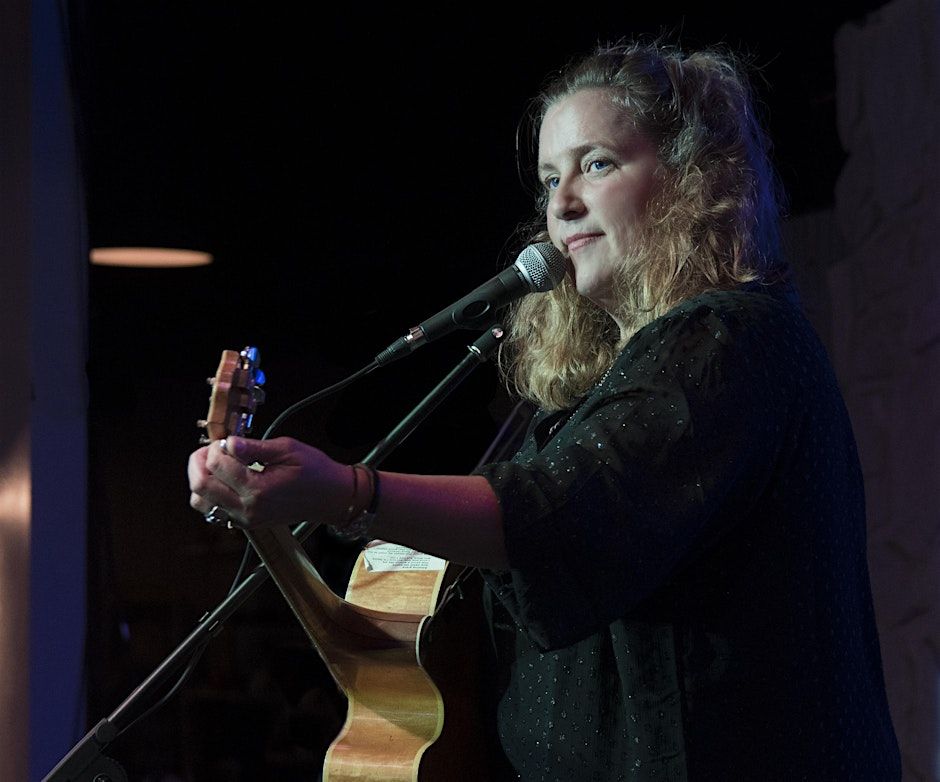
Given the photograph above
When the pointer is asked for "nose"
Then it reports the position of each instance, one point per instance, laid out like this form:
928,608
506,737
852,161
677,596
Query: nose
566,202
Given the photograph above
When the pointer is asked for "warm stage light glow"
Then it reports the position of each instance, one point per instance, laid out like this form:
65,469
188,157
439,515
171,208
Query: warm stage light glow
15,510
148,257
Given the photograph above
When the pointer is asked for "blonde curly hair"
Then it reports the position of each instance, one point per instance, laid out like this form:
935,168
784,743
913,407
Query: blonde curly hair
714,223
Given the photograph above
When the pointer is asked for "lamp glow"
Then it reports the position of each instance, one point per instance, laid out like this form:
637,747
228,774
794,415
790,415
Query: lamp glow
149,257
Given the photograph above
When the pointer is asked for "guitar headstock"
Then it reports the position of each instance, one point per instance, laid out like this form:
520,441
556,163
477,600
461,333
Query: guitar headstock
236,392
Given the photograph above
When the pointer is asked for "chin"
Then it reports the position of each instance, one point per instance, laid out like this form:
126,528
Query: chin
596,294
587,286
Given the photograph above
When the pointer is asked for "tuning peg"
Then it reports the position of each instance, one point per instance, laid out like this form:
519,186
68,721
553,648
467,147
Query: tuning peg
202,423
210,381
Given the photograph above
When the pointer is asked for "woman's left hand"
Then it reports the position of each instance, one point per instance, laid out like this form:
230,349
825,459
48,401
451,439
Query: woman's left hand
267,482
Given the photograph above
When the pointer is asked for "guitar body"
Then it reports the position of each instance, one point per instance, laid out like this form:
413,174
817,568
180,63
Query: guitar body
406,645
406,648
450,652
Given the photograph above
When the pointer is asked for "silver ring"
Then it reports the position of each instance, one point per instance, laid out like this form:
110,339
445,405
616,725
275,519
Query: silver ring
216,515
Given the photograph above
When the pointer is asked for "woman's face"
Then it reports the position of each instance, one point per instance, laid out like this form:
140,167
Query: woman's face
599,174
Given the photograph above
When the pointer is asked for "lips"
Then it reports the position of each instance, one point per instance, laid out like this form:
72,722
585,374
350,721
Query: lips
578,241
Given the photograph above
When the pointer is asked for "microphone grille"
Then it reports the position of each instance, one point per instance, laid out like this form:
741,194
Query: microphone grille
542,265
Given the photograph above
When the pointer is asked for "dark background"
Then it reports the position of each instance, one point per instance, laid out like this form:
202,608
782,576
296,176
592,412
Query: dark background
353,171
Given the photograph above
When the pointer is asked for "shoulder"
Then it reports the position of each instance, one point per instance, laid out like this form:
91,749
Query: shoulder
720,335
737,308
717,318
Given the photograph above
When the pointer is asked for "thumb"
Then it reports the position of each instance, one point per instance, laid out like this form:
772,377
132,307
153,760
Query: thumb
247,451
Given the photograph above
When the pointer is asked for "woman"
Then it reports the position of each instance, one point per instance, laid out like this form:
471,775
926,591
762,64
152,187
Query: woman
675,557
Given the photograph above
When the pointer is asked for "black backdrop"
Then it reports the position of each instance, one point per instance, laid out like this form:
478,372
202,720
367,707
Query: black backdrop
353,171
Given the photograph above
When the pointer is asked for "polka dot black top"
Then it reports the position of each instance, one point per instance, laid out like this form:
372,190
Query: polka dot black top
688,597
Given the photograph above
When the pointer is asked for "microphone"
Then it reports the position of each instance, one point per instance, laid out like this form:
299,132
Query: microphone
538,268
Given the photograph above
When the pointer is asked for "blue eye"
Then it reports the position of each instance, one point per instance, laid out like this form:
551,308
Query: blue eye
551,182
598,165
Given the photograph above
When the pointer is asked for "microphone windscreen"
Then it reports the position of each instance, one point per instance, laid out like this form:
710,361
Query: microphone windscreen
542,265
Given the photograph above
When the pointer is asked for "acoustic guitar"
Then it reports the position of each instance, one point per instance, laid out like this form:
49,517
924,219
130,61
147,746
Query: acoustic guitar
404,644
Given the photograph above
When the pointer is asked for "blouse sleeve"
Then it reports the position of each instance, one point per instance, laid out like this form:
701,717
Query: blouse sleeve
652,467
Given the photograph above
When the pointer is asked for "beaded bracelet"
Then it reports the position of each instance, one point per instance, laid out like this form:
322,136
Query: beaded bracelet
362,506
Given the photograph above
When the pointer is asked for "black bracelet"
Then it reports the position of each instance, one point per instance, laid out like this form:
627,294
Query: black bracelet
358,526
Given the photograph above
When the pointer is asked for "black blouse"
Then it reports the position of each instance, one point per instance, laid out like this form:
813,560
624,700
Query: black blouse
688,596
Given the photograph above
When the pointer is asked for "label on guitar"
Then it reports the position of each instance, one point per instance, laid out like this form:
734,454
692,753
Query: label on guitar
383,557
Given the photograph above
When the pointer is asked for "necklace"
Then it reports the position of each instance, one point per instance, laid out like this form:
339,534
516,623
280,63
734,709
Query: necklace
564,418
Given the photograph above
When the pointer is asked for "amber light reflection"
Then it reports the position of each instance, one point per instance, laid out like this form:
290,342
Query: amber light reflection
15,507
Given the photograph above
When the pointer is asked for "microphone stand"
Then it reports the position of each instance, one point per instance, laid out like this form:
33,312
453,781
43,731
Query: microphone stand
85,761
